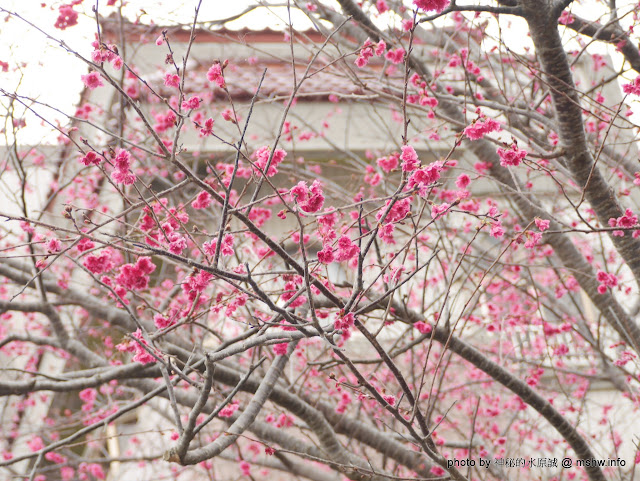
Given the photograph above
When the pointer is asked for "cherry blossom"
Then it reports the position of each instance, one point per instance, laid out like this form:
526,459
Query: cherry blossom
633,87
262,156
388,163
172,80
395,56
512,156
99,263
215,75
366,52
67,17
410,161
136,276
432,5
208,128
310,199
92,80
481,127
343,264
91,158
226,248
202,201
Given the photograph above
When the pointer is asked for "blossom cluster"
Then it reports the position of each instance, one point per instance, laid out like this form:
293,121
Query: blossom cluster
310,199
626,221
139,347
606,280
511,156
633,87
346,250
262,160
122,173
215,75
226,247
367,51
432,5
106,53
67,16
481,127
136,276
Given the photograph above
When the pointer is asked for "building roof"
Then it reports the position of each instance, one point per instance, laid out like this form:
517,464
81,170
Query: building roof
249,52
113,27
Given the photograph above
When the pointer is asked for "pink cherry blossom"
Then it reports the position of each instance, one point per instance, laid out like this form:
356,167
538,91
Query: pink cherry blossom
512,156
54,245
191,103
346,249
226,248
481,127
463,180
437,471
208,128
497,230
85,244
325,182
177,243
423,327
67,17
382,6
136,276
90,158
96,471
366,52
606,280
141,354
215,75
542,224
410,161
633,87
35,444
395,56
196,284
309,199
99,263
280,349
55,457
92,80
202,201
262,159
432,5
228,115
229,409
388,163
397,210
566,18
88,395
437,211
326,256
424,177
162,322
67,473
172,80
628,220
344,322
122,174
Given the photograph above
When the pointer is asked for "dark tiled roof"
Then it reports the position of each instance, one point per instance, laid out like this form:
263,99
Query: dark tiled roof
243,78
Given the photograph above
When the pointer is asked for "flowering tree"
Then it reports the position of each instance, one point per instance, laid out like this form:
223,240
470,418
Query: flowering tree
455,314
